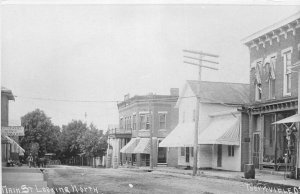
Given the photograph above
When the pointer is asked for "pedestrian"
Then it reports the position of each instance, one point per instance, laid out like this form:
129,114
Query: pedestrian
30,160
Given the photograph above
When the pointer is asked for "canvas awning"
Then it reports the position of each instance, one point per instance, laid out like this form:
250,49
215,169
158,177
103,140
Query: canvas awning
222,130
143,146
291,119
181,136
130,146
15,146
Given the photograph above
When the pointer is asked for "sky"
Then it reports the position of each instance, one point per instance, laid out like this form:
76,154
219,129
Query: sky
56,56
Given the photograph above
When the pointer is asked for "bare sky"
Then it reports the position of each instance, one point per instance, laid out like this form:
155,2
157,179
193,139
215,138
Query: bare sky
101,52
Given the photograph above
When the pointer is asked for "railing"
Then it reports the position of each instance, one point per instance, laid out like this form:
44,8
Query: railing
119,131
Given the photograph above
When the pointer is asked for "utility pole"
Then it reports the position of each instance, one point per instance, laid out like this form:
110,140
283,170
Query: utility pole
151,125
200,65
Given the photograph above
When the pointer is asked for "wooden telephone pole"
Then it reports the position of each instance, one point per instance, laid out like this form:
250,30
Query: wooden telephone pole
200,65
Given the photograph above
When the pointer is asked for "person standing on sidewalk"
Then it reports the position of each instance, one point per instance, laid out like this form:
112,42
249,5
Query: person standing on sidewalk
30,160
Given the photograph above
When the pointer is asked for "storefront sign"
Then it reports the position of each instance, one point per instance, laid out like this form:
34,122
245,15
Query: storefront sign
12,131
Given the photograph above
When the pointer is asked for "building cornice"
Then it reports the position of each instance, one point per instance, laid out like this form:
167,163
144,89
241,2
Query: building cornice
276,31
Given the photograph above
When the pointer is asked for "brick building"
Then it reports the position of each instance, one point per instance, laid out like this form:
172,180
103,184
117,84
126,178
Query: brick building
130,142
273,93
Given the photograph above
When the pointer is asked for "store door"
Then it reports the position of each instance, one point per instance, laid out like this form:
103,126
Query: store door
219,158
187,154
255,154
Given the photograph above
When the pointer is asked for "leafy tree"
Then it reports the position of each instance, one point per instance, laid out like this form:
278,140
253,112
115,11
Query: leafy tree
93,142
41,134
69,140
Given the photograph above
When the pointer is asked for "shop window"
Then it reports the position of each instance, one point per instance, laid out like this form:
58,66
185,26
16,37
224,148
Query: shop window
231,151
268,144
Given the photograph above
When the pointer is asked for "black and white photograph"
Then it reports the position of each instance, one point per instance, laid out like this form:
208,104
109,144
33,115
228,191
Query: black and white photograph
150,97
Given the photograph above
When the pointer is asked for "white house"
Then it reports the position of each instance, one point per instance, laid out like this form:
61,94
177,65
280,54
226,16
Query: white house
220,140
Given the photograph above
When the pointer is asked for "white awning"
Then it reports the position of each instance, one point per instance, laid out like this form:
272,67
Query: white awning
222,130
15,146
130,146
181,136
143,147
292,119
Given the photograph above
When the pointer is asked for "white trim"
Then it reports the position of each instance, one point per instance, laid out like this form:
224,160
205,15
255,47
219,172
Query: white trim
162,112
286,50
270,28
143,112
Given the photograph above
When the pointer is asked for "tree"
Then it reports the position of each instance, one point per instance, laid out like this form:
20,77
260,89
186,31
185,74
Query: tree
69,140
93,143
41,134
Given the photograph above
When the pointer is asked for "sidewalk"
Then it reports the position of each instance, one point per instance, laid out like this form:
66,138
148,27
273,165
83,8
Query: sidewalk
24,179
261,177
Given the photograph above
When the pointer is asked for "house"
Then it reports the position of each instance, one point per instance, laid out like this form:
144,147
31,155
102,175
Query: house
221,141
10,148
273,94
139,116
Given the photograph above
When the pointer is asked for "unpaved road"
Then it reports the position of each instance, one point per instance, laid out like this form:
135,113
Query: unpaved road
108,181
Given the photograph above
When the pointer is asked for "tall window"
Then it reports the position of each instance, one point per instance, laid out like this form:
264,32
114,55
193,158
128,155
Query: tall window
134,122
182,151
128,123
148,121
258,89
162,121
143,121
271,77
287,62
231,150
121,123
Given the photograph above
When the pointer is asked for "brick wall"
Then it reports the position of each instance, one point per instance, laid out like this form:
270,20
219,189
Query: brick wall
276,47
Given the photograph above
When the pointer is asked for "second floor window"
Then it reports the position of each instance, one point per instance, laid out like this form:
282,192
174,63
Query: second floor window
133,122
162,121
143,121
128,123
121,123
287,80
270,73
258,89
148,121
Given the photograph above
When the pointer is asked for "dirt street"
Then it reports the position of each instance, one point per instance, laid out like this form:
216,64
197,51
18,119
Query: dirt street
106,181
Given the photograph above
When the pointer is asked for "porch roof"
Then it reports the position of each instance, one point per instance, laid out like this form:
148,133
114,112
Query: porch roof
143,146
181,136
291,119
222,130
16,147
130,146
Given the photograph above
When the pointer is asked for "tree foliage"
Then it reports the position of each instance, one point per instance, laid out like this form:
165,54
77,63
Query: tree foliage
70,138
41,135
93,142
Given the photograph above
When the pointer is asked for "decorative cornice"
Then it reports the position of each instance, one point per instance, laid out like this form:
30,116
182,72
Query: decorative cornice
288,24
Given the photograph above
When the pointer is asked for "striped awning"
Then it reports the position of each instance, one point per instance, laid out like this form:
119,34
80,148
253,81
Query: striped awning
130,146
15,146
143,147
222,130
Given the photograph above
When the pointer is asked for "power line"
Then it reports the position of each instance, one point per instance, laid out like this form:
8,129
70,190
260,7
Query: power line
102,101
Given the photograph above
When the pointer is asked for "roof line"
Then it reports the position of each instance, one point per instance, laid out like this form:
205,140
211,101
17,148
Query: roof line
271,28
217,82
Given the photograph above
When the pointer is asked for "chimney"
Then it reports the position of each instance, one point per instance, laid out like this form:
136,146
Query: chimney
174,91
126,97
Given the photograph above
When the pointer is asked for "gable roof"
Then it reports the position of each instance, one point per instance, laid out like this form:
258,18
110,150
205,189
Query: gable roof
7,92
221,92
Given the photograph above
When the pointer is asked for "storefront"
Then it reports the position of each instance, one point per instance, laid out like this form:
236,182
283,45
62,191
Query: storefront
274,145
